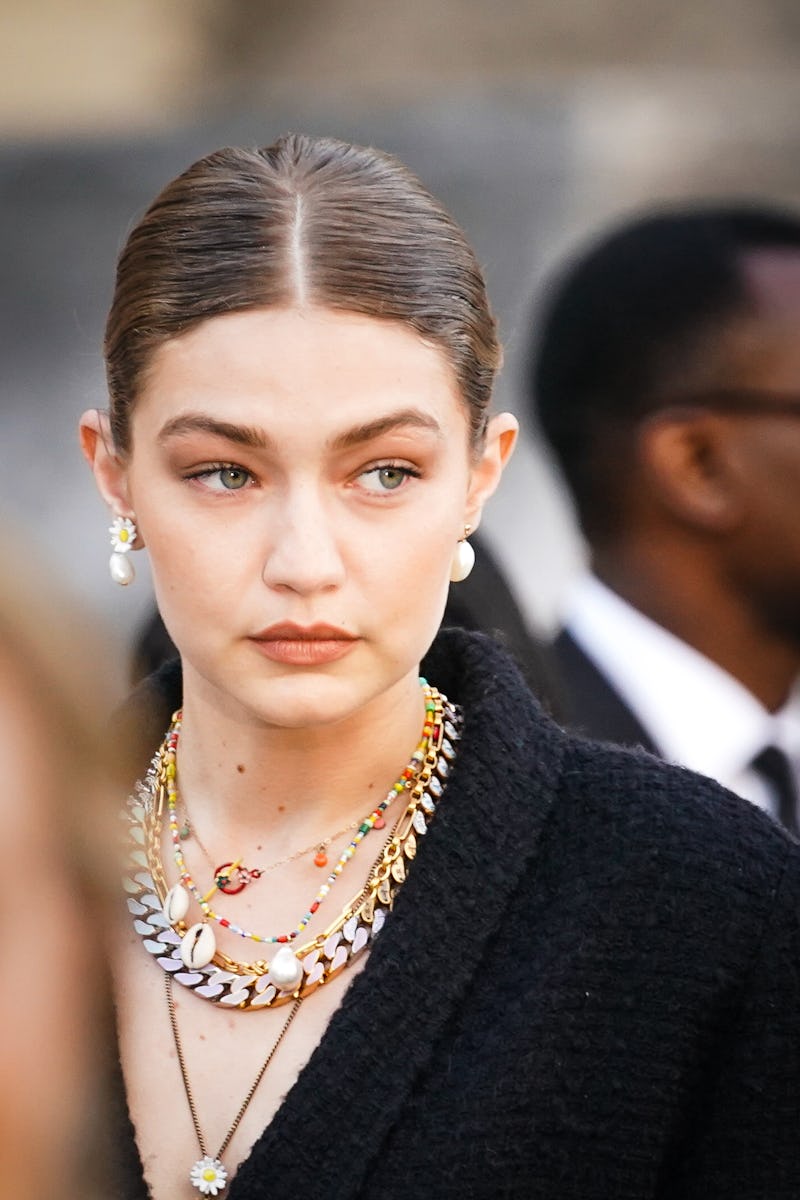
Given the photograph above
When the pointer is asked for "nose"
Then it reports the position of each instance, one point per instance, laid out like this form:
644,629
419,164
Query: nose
303,552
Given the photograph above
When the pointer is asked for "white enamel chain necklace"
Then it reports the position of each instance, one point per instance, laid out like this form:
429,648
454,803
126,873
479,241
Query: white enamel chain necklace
262,984
257,984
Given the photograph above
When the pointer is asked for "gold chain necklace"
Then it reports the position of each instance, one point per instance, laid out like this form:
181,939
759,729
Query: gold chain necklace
208,1174
199,943
255,985
244,875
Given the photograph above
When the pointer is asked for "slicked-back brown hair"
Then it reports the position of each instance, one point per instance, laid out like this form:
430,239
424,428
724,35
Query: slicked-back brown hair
309,221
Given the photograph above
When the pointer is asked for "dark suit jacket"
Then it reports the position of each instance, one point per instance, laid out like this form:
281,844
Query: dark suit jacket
588,987
590,704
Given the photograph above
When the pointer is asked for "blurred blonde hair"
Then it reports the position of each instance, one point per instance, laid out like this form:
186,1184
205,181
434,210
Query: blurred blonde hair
59,828
56,663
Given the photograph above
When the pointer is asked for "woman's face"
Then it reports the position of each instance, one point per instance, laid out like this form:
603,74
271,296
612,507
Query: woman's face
300,479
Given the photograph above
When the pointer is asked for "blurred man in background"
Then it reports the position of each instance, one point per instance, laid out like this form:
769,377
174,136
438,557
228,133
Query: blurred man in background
666,380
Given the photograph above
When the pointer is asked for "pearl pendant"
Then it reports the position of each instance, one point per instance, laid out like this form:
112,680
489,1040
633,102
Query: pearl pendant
176,903
122,569
463,561
286,970
198,946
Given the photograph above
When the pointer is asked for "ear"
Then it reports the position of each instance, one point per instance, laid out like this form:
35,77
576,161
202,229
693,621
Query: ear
689,461
109,469
498,446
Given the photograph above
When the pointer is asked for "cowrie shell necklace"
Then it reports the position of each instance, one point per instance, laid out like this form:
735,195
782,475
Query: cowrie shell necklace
199,944
294,970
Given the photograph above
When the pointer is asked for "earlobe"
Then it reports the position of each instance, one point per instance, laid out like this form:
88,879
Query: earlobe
686,461
501,438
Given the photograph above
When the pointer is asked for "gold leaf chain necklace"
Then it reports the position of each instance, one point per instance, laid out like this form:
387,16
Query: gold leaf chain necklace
260,985
257,984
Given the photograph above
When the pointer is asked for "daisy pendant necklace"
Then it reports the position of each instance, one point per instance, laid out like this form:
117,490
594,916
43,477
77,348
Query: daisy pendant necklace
208,1174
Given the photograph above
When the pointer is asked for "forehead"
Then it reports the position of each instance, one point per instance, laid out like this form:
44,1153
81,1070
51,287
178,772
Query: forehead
274,364
763,349
773,280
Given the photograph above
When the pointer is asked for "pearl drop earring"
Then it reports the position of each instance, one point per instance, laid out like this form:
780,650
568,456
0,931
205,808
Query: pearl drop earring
123,535
463,559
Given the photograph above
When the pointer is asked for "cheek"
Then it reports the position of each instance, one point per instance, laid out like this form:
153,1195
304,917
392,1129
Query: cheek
408,579
774,502
183,538
199,573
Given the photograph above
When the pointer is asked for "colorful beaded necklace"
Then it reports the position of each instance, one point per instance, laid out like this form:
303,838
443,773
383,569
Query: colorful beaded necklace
233,877
199,943
298,970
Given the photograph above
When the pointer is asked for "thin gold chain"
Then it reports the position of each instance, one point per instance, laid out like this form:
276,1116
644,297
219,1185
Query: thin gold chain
281,862
378,874
173,1020
373,901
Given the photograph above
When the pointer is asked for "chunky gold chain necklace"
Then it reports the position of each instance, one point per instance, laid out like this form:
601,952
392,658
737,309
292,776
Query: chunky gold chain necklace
199,942
294,971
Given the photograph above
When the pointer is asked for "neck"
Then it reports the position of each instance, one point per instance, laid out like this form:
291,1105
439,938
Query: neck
681,589
243,780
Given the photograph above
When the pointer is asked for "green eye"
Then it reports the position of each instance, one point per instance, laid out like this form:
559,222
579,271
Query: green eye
387,478
233,478
227,477
391,477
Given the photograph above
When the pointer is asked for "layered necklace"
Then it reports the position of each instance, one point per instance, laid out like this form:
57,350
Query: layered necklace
198,945
189,954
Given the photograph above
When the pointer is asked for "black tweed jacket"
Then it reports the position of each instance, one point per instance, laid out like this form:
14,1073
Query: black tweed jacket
589,988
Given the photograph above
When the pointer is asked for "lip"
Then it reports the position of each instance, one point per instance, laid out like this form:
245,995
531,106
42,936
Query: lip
303,645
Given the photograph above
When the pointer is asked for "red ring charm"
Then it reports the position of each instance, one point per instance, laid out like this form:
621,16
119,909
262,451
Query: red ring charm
231,884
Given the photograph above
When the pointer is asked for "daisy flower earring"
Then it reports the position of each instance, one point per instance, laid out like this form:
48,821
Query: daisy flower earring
123,535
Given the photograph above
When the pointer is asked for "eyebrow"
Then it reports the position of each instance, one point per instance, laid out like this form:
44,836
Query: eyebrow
257,439
413,418
243,435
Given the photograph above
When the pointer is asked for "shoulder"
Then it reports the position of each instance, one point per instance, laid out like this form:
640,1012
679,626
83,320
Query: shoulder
639,789
611,818
673,835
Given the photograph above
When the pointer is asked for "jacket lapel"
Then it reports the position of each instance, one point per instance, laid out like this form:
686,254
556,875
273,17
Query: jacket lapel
484,836
593,707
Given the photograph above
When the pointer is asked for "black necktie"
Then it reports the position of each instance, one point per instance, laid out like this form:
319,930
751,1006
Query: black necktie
774,767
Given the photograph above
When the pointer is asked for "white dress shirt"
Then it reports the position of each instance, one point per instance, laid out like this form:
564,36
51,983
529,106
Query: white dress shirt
695,712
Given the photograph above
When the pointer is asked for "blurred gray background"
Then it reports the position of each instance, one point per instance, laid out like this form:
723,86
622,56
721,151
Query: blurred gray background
537,123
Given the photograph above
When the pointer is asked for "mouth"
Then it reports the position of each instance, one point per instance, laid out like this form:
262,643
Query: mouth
303,645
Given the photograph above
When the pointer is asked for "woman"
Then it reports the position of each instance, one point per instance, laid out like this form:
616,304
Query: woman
56,828
489,959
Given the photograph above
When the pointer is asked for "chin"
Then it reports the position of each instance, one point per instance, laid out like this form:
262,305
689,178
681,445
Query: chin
306,702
